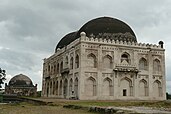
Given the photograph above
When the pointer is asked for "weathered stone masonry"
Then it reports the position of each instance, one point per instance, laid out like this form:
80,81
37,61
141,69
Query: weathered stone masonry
105,66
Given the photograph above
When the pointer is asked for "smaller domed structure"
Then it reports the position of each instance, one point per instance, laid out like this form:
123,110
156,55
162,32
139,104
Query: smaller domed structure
21,80
21,85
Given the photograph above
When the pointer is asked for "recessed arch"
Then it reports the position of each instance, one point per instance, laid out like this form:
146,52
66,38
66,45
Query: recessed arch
54,88
57,67
143,64
60,88
71,62
61,66
107,87
77,61
70,87
107,61
125,58
54,70
47,88
51,89
126,88
57,88
66,61
157,89
127,79
91,60
156,66
90,87
65,88
143,88
158,82
76,87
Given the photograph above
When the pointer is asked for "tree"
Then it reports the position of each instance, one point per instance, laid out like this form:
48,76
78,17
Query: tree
168,96
2,77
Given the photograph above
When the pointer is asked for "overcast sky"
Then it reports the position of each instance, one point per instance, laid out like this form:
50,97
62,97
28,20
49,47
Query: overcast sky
31,29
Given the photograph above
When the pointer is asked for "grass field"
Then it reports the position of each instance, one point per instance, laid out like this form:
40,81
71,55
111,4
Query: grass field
25,108
55,106
157,104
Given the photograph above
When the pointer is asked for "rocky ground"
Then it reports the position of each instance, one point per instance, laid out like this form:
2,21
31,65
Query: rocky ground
146,110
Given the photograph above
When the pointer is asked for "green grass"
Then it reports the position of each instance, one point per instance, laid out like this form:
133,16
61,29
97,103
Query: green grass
26,108
157,104
55,106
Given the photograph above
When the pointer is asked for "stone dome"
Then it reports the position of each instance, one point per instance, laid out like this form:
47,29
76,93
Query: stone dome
20,80
67,39
102,27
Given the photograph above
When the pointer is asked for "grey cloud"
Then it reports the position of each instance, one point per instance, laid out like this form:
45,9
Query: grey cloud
17,60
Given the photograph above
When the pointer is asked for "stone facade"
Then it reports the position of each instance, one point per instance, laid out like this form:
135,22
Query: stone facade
91,68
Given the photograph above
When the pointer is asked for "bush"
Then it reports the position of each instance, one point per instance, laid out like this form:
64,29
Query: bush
168,96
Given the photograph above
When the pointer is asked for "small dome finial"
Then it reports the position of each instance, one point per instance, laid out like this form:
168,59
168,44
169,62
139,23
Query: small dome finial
161,43
82,34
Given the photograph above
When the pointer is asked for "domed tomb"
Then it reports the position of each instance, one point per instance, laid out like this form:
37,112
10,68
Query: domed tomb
20,80
102,27
21,85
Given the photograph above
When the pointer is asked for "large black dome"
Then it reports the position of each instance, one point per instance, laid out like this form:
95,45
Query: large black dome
67,39
20,81
103,27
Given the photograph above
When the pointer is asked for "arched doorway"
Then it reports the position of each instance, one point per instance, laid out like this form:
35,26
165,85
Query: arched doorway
126,87
76,87
70,87
60,88
65,88
47,89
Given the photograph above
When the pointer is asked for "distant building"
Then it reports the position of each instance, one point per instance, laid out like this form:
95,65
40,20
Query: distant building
104,61
21,85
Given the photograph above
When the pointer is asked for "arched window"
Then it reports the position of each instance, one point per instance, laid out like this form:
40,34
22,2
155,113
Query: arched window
58,68
91,61
143,64
125,58
66,61
54,69
156,66
107,61
71,63
51,72
49,69
61,67
77,61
